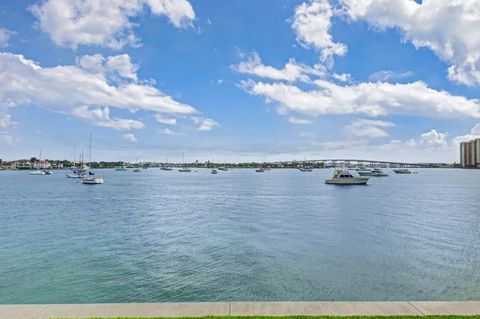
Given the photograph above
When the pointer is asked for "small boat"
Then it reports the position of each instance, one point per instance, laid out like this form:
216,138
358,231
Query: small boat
214,171
164,168
305,169
343,177
76,173
223,168
137,170
48,172
37,173
121,168
92,180
376,172
184,169
402,171
260,170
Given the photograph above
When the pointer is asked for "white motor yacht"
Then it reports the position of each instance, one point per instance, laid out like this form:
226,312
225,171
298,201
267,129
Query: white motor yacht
260,170
376,172
402,171
37,173
184,170
343,177
92,180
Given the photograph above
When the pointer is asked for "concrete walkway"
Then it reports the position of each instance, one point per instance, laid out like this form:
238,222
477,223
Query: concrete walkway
326,308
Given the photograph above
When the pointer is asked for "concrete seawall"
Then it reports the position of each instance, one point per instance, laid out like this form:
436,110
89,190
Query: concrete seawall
322,308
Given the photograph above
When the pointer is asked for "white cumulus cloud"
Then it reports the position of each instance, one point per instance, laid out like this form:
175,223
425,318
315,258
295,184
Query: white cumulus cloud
369,128
4,37
449,28
291,72
104,23
5,121
165,120
299,121
86,90
130,137
207,125
312,23
388,75
373,99
100,116
434,138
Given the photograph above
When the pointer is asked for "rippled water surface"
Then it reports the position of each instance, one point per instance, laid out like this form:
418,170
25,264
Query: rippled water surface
239,235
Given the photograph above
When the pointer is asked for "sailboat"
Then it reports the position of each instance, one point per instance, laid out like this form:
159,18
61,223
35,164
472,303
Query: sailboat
304,167
263,167
223,167
137,169
91,179
74,172
165,166
41,171
184,169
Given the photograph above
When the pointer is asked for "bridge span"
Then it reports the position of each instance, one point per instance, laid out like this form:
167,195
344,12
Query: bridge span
331,162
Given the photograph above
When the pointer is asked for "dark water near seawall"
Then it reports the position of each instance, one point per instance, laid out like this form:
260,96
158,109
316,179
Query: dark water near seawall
239,235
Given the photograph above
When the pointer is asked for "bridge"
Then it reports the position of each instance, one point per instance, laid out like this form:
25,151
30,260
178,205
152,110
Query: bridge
332,162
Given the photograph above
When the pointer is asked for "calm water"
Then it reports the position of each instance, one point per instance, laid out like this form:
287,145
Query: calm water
239,235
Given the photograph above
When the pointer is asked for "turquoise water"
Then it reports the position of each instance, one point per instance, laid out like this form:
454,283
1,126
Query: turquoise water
239,235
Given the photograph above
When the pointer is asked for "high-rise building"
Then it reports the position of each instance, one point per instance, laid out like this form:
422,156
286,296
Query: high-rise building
470,153
462,154
477,152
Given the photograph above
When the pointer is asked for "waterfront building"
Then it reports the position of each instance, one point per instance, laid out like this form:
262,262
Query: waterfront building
42,165
23,164
477,152
470,153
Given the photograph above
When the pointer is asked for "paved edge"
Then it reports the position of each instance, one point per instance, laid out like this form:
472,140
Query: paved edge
200,309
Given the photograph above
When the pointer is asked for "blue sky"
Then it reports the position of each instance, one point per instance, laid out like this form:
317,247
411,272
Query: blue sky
234,80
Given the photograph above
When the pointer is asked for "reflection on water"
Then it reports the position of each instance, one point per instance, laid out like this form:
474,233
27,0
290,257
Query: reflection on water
239,235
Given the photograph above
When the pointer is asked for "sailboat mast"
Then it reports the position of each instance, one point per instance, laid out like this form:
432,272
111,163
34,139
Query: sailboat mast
90,152
74,153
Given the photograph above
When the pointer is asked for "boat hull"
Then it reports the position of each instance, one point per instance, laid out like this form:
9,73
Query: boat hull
93,181
351,181
373,174
402,172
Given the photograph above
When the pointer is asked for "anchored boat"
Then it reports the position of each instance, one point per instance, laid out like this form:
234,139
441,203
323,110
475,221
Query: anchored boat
343,177
402,171
376,172
38,173
91,179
